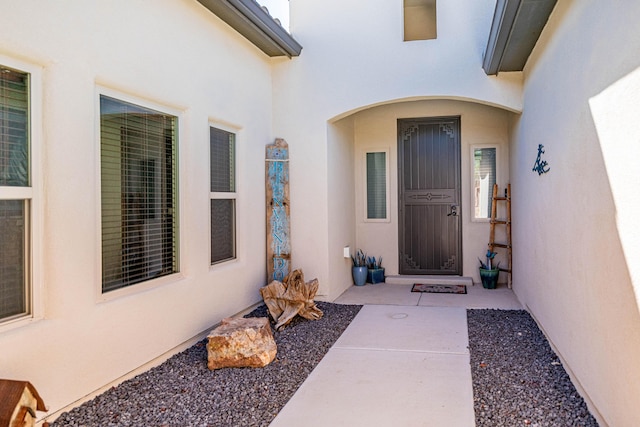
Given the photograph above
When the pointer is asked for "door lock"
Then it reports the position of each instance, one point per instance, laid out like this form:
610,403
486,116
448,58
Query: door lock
454,211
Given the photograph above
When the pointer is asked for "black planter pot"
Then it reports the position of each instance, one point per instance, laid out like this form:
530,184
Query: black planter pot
375,275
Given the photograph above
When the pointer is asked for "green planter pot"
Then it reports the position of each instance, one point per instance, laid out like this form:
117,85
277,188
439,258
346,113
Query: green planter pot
375,275
359,275
489,278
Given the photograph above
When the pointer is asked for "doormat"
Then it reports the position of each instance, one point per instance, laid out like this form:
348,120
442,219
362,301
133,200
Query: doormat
439,288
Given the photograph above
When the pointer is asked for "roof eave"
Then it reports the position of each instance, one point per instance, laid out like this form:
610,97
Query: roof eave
516,27
249,19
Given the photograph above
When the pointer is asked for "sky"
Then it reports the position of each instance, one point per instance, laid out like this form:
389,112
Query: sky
278,9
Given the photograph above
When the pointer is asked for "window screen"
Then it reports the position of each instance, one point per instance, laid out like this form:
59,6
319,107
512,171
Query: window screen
14,173
377,185
484,176
139,200
223,195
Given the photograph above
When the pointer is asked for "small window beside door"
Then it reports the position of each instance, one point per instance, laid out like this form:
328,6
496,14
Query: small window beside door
377,203
484,177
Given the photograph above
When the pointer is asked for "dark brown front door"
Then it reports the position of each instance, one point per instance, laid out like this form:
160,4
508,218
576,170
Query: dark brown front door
429,196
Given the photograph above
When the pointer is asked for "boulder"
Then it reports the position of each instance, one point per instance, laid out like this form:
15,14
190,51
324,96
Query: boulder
243,342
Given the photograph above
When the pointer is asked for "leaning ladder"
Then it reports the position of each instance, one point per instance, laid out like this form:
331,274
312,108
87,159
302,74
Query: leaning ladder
507,222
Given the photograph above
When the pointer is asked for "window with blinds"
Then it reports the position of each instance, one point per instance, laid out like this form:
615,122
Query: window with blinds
376,185
222,195
138,193
15,194
484,176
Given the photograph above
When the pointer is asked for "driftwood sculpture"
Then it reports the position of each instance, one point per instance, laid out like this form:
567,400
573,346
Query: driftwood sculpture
291,297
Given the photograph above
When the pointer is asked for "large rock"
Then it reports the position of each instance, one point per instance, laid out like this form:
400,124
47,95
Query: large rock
244,342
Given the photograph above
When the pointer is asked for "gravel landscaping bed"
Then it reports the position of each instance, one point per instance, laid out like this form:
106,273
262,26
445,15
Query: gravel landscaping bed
517,378
184,392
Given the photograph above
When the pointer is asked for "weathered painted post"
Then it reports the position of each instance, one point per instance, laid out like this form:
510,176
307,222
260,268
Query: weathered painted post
277,191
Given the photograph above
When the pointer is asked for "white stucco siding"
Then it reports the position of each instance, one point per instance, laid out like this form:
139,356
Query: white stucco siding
354,58
577,257
341,206
173,56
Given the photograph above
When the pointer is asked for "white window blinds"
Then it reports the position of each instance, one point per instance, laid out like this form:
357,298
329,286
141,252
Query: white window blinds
484,176
377,185
14,172
139,193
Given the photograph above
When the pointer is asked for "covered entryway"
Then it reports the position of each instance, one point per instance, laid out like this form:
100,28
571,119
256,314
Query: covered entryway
429,196
417,234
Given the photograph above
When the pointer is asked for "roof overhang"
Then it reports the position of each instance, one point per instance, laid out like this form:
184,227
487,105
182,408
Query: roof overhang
516,27
249,19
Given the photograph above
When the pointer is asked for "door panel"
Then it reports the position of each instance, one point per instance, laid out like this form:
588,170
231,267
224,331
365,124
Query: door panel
429,196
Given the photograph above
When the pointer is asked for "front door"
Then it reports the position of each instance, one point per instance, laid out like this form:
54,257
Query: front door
429,196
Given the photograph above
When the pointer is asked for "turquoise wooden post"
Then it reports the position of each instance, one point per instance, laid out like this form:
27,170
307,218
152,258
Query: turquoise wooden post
277,191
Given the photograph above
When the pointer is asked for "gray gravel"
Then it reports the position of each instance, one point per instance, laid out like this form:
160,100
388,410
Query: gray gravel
517,378
184,392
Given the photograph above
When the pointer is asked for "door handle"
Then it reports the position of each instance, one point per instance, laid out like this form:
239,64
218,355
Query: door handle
454,211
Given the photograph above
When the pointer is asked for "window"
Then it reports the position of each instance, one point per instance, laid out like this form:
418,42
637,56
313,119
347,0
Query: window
15,195
139,200
222,195
377,200
419,20
484,176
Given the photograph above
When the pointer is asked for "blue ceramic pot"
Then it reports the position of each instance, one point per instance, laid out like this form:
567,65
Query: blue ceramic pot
359,275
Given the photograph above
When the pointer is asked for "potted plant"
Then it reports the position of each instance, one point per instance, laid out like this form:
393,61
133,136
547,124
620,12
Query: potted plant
359,270
488,273
375,272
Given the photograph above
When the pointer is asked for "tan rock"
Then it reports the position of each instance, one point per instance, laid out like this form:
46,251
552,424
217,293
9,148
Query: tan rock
238,343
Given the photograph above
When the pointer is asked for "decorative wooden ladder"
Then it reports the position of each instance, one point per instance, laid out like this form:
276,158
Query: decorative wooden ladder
507,222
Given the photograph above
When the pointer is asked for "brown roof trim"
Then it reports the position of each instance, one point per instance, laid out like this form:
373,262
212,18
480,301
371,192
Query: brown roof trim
249,19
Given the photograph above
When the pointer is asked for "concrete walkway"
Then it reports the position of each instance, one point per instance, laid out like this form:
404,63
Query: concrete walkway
403,361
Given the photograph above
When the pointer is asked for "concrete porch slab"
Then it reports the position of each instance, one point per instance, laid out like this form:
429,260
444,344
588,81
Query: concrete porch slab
446,280
372,388
477,297
379,293
408,328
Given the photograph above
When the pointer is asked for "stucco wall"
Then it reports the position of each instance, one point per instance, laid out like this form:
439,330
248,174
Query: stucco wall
354,58
171,55
576,242
341,186
377,129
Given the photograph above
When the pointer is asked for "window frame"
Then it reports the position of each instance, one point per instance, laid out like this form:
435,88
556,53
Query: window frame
412,26
387,218
472,204
231,195
33,194
166,108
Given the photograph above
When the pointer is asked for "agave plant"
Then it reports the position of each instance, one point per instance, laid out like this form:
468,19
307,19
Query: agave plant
489,265
373,263
359,259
